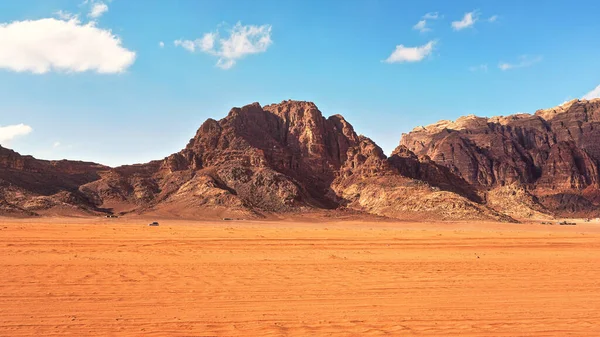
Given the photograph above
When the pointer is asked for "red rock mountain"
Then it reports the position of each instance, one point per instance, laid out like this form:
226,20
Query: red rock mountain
30,186
283,157
287,157
549,158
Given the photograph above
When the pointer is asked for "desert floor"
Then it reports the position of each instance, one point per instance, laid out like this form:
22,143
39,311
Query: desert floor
104,277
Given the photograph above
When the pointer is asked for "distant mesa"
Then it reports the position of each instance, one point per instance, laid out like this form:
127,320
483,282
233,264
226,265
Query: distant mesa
288,158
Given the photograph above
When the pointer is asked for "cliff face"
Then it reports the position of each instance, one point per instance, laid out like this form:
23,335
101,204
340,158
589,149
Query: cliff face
287,157
29,185
553,153
278,158
395,187
282,157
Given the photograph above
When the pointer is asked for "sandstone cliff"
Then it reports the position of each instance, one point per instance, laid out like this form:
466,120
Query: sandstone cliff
282,157
552,155
258,160
29,186
288,157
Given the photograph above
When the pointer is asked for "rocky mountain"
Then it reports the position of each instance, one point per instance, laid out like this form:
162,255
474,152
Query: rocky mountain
258,160
30,186
288,157
545,162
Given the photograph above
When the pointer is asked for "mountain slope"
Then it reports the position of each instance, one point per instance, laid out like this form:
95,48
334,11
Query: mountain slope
29,185
552,155
283,157
288,157
257,160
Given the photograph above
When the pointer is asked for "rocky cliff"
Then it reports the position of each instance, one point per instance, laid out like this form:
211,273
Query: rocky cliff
257,160
29,186
551,156
288,157
283,157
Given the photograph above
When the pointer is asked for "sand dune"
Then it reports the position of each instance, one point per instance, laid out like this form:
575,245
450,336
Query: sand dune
85,277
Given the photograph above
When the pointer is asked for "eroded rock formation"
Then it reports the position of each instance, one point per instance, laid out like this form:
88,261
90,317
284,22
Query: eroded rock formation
288,157
282,157
553,154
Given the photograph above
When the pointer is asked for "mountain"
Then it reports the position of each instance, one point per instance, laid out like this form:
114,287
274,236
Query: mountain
289,158
523,164
29,186
256,161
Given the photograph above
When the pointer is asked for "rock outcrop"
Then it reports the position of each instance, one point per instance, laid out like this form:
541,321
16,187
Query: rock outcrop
552,155
282,157
288,157
29,186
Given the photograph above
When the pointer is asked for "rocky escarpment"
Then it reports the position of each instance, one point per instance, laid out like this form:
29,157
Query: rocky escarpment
278,158
288,157
29,186
553,155
370,182
283,157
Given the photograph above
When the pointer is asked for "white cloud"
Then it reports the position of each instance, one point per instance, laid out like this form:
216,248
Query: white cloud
50,44
242,41
593,94
185,44
467,21
410,54
207,42
481,67
10,132
493,18
421,26
97,10
56,144
431,16
161,44
225,63
524,61
65,15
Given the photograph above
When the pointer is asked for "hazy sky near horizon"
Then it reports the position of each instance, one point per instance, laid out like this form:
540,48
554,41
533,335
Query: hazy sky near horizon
122,81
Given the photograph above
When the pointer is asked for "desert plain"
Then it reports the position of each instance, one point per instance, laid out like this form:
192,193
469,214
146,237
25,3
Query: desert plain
311,277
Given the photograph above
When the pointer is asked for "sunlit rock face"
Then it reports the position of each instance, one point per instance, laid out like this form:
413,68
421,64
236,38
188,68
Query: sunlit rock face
288,157
552,153
284,157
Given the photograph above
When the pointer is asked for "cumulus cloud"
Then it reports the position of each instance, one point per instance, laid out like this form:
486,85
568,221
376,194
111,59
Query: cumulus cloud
10,132
161,44
207,42
421,26
410,54
524,61
50,44
97,10
185,44
467,21
593,94
241,41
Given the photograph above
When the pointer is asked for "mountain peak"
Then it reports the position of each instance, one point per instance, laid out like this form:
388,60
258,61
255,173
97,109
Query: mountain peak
288,157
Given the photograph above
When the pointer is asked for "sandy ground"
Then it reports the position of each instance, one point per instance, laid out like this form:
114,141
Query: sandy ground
80,277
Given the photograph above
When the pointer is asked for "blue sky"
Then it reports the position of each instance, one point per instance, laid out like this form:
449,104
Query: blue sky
92,82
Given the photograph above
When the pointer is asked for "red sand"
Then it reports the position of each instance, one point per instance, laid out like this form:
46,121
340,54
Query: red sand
246,278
